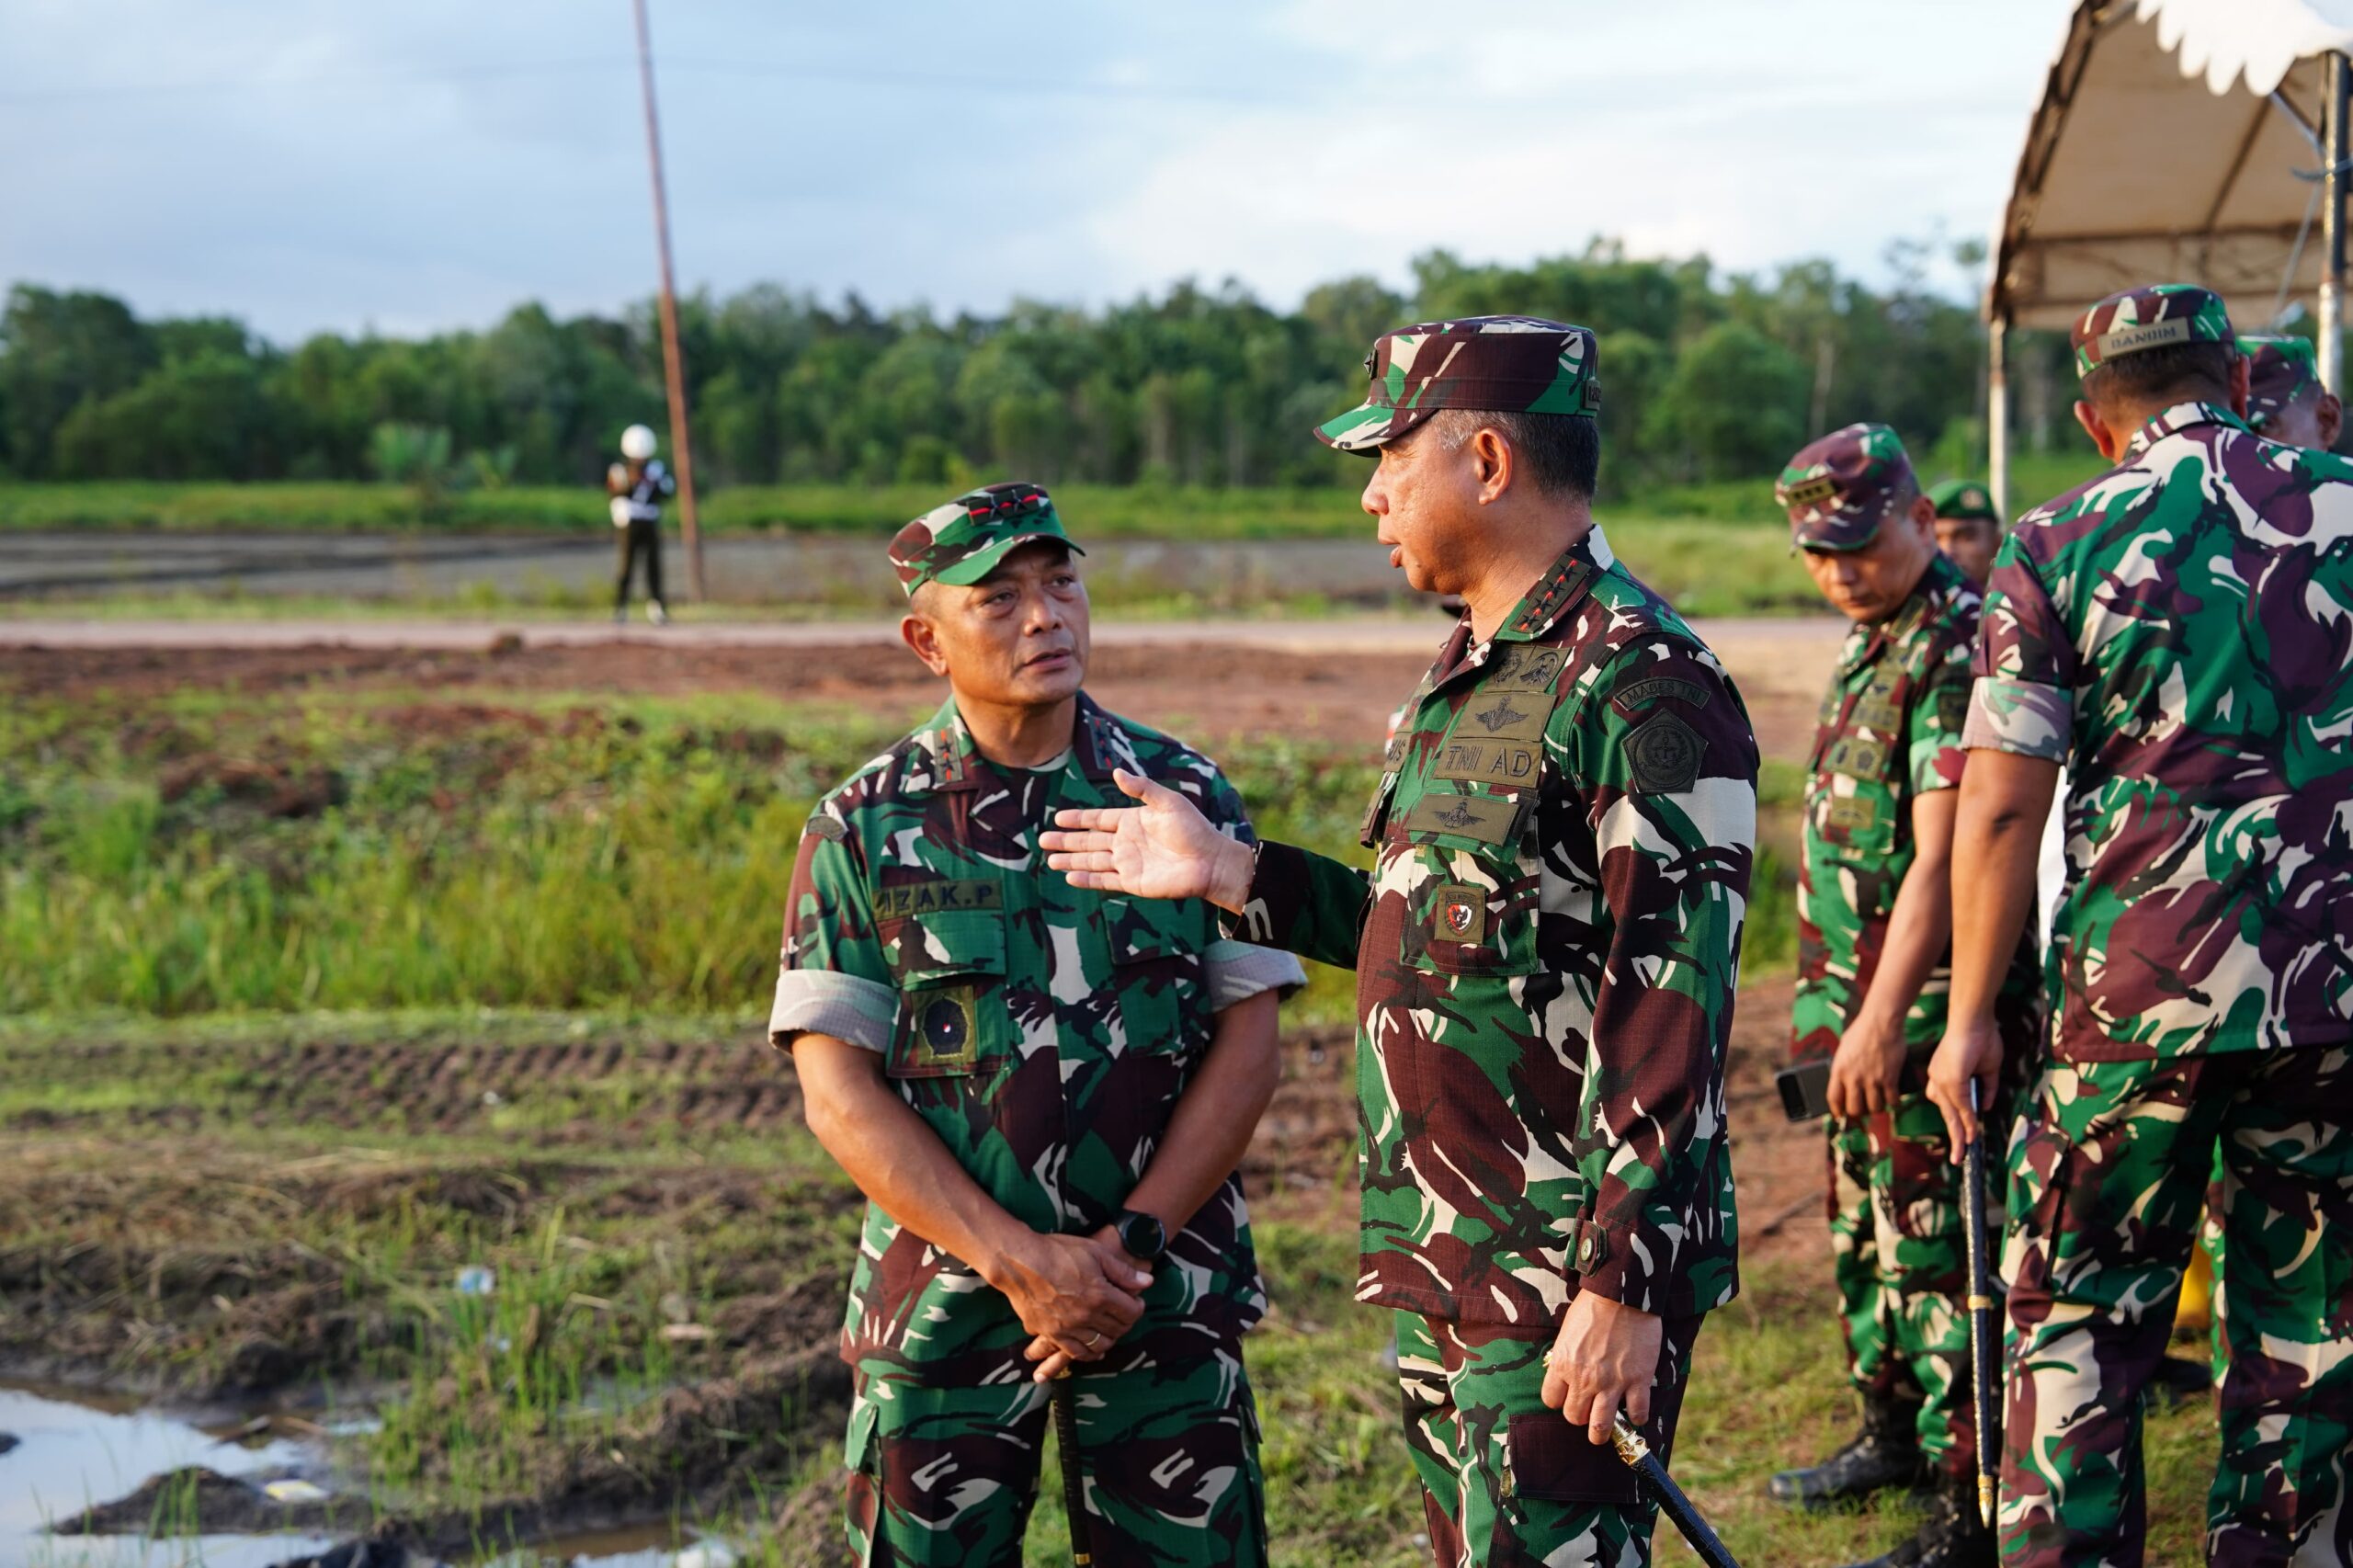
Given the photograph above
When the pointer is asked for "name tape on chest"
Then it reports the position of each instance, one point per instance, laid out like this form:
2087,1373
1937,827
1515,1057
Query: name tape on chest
1509,763
1878,714
898,901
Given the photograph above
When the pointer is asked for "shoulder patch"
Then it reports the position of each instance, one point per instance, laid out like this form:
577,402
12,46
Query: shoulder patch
1953,708
828,828
1633,694
1664,753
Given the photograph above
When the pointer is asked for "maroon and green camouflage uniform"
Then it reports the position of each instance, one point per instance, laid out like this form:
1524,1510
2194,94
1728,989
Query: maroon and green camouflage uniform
2179,633
1889,732
1546,955
1045,1034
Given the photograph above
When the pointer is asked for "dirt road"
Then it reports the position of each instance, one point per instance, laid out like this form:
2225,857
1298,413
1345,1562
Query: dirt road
1331,680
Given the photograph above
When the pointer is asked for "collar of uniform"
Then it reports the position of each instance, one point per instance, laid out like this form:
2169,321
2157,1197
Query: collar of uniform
1557,592
956,760
2179,417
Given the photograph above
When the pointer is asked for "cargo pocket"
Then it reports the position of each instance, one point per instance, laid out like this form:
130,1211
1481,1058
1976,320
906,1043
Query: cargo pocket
861,1456
1551,1461
951,972
1161,978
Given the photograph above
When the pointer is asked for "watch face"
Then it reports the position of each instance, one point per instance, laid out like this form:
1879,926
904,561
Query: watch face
1143,1237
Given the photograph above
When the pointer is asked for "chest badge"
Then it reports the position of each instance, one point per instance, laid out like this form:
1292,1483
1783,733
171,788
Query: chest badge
1503,713
1458,913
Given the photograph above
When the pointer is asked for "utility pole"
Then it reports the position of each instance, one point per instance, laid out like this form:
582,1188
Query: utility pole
674,374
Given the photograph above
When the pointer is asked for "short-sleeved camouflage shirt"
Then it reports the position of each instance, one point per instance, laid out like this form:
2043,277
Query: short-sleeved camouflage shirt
2179,633
1546,956
1889,732
1044,1032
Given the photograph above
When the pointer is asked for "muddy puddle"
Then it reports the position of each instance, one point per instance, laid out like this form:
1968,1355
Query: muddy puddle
78,1449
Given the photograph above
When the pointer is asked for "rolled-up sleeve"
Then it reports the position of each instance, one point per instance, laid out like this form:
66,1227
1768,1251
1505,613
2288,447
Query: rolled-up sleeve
1238,970
832,977
2023,698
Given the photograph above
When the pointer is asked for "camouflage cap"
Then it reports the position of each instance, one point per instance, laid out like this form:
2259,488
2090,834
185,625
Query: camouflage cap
2154,317
1963,498
961,541
2280,372
1838,490
1499,364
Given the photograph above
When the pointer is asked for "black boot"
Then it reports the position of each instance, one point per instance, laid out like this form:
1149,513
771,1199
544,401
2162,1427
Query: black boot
1954,1535
1885,1453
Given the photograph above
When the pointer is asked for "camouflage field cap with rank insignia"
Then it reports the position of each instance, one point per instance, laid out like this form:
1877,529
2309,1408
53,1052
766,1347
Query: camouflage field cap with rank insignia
2157,316
1963,498
2280,372
1495,364
960,542
1840,489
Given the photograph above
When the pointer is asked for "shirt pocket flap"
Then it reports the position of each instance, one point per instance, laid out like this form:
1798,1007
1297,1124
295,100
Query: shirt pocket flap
933,947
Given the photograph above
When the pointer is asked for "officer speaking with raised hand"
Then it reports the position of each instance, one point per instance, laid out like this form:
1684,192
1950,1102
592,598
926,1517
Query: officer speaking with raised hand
2175,632
1546,953
1043,1092
1874,923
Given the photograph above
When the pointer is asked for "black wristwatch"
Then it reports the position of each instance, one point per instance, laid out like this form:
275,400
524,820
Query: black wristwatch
1142,1236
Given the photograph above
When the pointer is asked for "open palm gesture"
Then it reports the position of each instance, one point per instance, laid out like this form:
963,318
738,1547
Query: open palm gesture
1162,849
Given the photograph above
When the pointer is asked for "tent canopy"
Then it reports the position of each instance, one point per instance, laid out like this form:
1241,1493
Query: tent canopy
2168,146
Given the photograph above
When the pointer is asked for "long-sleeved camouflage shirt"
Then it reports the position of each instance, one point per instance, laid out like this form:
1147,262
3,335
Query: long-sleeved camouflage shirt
1546,954
2179,633
1889,732
1043,1032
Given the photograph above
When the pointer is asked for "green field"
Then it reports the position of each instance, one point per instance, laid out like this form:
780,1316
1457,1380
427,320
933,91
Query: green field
318,993
1105,511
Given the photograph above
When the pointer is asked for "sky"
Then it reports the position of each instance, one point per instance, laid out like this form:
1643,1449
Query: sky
318,164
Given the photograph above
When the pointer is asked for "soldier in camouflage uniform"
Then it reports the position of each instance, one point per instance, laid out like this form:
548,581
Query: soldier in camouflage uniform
1969,531
1043,1092
1546,953
2285,401
1874,916
2177,632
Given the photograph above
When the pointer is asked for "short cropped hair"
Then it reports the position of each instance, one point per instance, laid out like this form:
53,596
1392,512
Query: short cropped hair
1562,452
2178,372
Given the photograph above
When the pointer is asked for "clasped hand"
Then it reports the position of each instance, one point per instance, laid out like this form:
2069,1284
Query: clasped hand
1075,1294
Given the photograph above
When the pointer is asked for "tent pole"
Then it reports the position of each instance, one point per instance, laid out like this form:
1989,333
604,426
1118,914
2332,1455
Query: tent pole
2330,328
1997,413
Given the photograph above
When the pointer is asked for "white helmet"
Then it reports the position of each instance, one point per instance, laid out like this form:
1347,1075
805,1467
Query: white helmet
637,443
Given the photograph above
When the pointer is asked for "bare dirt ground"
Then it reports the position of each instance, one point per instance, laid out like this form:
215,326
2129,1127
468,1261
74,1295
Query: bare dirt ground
1335,680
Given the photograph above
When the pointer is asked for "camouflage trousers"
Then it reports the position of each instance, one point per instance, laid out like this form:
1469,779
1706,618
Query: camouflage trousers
946,1477
1899,1254
1507,1482
2109,1177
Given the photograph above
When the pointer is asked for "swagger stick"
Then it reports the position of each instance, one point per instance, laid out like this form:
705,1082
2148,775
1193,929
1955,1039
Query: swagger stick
1639,1459
1073,1476
1983,1345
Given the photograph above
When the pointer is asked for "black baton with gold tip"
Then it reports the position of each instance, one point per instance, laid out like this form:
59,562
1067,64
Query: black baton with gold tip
1985,1344
1074,1475
1671,1501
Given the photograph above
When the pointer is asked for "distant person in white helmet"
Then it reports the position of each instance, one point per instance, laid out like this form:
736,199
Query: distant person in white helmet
637,486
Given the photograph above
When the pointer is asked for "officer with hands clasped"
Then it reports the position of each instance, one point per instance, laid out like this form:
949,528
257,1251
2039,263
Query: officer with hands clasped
1043,1091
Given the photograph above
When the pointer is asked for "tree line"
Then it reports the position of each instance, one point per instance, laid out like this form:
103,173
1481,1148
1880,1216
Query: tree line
1707,376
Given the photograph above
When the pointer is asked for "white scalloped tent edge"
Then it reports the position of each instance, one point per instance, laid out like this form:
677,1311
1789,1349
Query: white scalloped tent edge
2259,40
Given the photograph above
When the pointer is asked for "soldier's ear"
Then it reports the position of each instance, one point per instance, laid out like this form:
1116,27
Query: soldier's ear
2331,414
1492,462
917,633
2097,428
